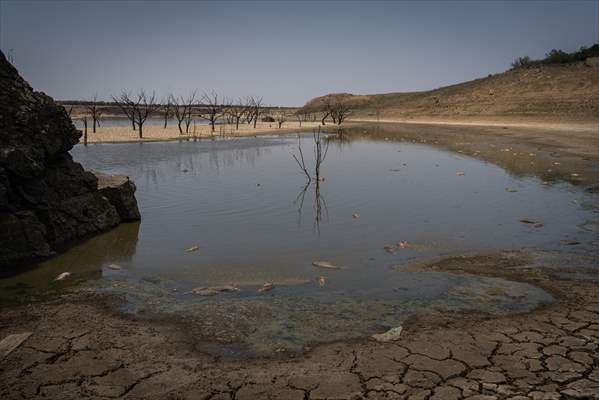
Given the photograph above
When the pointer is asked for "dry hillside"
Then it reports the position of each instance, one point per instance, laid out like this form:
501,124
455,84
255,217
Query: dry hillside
565,92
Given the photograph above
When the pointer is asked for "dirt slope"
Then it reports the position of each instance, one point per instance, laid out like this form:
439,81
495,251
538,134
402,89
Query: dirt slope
546,92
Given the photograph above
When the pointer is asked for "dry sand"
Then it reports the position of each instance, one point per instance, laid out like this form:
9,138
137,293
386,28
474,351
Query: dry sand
157,132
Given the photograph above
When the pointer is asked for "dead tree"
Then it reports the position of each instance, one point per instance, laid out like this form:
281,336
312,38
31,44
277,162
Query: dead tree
237,112
167,110
281,118
125,104
212,108
94,112
320,152
142,106
182,110
340,110
256,108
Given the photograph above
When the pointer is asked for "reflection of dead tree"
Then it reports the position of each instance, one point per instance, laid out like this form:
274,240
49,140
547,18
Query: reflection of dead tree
94,112
319,205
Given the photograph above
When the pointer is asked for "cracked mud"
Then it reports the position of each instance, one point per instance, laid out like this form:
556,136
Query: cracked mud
79,349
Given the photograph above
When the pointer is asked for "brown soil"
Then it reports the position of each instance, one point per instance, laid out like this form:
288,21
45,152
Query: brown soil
550,92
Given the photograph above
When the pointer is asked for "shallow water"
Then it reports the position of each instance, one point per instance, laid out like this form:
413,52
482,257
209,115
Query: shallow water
246,205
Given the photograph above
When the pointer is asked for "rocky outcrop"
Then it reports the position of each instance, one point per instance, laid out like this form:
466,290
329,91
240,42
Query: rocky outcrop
120,191
47,200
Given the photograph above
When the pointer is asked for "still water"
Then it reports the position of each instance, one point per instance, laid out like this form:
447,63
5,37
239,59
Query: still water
246,205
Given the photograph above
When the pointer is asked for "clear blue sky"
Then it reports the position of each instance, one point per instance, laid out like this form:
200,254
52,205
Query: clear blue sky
286,51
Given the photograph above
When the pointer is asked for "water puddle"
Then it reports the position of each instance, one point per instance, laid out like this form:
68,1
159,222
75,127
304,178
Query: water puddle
245,205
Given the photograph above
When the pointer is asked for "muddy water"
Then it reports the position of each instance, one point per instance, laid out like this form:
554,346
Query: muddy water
248,208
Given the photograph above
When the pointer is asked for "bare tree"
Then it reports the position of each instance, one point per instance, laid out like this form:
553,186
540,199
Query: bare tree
256,109
94,112
213,108
320,153
123,101
236,112
182,110
140,106
281,118
340,110
167,110
326,109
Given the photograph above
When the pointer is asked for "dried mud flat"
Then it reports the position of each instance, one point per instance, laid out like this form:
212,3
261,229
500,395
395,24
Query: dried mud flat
80,348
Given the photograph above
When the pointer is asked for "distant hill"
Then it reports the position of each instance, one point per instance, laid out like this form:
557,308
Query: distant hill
563,91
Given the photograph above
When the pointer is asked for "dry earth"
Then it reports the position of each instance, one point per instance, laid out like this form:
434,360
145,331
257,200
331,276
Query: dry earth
157,132
80,349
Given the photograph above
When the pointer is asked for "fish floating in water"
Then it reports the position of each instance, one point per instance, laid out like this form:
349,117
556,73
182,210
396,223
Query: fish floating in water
192,248
321,281
536,224
268,286
325,264
393,248
62,276
211,291
114,267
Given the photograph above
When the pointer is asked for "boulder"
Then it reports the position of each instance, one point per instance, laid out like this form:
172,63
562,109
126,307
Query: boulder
120,191
47,201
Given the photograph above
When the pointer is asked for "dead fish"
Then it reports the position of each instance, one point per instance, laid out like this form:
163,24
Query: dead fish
321,281
460,173
62,276
389,336
268,286
325,264
510,190
403,244
211,291
114,267
192,248
536,224
355,215
569,242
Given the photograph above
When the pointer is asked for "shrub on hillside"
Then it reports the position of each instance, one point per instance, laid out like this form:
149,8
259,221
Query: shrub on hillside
557,56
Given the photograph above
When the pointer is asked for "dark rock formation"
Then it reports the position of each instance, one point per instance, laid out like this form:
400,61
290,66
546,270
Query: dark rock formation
46,199
120,191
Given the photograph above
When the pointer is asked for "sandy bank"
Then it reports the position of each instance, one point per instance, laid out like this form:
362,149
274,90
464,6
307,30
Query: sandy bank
157,132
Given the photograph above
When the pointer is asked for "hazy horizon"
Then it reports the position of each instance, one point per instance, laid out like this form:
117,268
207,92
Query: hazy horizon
287,52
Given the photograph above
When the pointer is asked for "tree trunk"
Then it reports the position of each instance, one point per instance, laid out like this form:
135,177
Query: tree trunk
85,131
180,129
94,122
140,130
237,123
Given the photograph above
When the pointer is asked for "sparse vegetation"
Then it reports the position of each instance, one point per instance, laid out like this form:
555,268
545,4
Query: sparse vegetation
556,56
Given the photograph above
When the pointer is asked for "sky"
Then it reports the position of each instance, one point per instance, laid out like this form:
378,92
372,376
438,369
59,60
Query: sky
287,52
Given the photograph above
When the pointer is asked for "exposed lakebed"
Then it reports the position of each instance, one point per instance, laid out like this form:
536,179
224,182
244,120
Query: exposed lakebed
244,203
